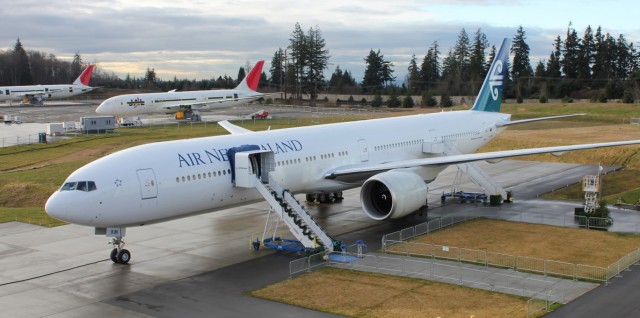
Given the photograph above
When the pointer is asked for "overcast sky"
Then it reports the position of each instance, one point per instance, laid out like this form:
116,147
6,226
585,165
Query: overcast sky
198,39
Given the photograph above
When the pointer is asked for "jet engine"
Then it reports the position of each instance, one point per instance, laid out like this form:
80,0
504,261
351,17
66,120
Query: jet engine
393,194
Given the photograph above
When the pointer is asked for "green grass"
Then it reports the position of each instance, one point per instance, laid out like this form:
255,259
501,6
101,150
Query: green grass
597,113
31,215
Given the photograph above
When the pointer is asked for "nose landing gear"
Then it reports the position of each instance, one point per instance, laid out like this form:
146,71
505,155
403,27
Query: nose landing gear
119,254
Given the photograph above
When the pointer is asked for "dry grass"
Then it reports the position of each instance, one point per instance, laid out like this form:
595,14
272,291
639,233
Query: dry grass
578,246
363,294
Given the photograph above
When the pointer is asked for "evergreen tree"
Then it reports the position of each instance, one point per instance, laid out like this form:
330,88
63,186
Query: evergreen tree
492,56
430,68
241,75
460,66
586,55
407,101
298,47
393,100
625,59
377,100
600,58
521,70
341,80
277,69
477,65
317,60
21,71
377,72
554,69
428,99
335,82
413,76
571,54
76,67
150,78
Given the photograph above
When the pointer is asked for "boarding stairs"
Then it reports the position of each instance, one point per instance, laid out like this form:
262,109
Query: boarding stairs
284,205
294,215
475,173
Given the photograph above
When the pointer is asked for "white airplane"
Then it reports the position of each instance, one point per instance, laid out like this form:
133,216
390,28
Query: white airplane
393,159
36,94
183,104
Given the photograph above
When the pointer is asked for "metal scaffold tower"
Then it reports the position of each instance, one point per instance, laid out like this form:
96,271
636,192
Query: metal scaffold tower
591,188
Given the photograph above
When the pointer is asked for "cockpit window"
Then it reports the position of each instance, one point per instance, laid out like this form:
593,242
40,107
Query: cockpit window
81,186
69,186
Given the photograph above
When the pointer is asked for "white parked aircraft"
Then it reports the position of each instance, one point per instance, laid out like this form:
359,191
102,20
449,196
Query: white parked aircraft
393,159
184,104
36,94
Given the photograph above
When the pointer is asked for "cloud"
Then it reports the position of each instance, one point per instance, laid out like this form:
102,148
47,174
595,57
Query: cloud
204,39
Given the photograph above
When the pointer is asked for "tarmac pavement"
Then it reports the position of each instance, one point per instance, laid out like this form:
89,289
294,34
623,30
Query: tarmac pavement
203,265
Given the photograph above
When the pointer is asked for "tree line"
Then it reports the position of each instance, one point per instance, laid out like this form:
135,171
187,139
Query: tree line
596,65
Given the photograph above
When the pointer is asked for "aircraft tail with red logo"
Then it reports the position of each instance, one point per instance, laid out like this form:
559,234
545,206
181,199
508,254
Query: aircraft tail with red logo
250,82
85,76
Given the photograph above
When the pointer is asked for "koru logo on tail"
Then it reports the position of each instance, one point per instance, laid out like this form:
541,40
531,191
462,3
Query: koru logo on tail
496,80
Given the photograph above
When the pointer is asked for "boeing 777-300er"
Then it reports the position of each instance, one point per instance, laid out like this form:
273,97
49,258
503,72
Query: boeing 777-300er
36,94
183,104
392,159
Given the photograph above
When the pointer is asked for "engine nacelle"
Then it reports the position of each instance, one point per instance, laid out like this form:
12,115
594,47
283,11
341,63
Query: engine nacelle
393,194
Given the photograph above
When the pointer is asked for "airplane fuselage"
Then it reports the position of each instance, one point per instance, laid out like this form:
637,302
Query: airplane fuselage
42,91
172,102
167,180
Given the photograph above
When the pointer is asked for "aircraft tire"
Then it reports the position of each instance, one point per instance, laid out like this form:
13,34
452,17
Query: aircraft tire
310,197
124,256
114,255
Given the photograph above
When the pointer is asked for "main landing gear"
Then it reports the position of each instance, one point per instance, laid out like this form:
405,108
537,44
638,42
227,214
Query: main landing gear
119,254
325,197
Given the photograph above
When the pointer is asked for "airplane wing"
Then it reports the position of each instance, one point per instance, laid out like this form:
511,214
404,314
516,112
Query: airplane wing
522,121
38,93
233,129
455,159
184,105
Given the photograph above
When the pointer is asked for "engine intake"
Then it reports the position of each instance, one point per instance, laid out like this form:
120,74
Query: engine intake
393,194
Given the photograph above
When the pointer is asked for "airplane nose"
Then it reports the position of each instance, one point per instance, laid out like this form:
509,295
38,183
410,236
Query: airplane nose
102,109
56,207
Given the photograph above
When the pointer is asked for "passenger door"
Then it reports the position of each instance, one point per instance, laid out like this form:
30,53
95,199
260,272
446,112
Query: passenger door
148,184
